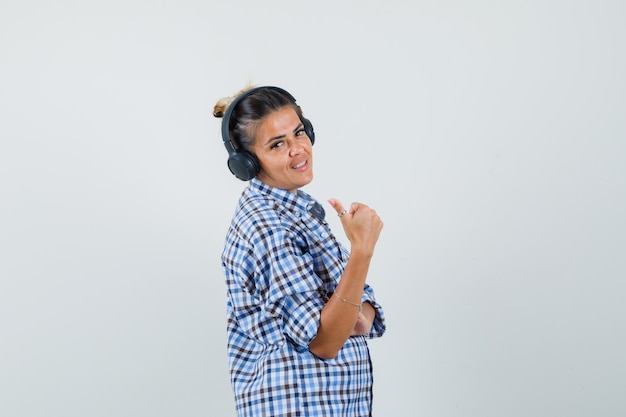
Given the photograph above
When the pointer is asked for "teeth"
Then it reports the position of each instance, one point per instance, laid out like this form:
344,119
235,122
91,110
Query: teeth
300,165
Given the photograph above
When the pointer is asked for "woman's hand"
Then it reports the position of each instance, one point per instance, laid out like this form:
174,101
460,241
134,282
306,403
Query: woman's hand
361,225
365,321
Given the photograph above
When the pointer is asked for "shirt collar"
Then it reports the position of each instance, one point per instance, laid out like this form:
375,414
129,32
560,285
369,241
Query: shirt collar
300,202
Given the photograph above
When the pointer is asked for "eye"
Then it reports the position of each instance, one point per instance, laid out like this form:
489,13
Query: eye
277,144
300,132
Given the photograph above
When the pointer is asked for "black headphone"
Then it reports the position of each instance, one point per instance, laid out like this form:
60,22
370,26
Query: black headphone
243,164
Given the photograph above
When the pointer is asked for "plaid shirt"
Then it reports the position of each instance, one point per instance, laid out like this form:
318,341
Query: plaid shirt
280,262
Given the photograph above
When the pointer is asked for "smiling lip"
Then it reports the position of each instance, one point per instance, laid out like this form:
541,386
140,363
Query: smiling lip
300,165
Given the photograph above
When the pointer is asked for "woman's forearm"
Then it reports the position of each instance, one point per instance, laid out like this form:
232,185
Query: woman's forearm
340,315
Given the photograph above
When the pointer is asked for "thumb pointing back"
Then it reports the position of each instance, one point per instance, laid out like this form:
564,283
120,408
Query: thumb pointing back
338,206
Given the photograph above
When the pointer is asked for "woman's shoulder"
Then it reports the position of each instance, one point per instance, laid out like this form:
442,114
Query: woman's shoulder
256,213
255,206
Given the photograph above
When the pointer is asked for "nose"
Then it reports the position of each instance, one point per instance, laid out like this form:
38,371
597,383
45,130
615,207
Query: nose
296,148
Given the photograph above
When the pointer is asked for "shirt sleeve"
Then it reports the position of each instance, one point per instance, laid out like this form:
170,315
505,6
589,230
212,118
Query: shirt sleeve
293,289
276,295
379,326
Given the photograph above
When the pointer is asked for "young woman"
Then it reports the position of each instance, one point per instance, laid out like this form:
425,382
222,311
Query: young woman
299,308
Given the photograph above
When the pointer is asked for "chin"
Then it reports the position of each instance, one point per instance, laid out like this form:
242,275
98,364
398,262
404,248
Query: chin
307,180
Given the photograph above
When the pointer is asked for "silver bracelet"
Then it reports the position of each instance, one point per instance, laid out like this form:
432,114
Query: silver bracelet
360,305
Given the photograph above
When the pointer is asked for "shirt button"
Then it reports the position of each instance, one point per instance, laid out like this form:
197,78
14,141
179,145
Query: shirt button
324,235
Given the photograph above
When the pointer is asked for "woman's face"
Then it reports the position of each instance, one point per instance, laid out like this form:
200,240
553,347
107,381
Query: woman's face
284,151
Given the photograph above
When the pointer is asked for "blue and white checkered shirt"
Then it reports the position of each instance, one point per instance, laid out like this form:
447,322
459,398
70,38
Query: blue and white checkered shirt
280,262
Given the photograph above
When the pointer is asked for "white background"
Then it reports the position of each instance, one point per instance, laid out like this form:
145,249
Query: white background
489,135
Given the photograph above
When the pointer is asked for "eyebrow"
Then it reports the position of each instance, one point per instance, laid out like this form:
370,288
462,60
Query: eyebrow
270,140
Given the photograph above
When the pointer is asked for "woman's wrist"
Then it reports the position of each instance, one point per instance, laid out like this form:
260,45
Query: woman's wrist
359,304
362,252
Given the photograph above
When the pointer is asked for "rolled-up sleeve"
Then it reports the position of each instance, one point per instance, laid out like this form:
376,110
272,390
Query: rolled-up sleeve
379,326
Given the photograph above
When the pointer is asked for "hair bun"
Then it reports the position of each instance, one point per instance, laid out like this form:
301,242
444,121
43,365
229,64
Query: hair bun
223,103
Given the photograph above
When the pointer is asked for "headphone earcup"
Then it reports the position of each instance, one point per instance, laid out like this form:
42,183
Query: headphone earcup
308,128
243,165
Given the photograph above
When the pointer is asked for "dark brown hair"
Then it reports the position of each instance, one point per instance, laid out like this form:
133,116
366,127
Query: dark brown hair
251,111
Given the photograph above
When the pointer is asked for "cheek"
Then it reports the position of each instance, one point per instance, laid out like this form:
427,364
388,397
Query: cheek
269,164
